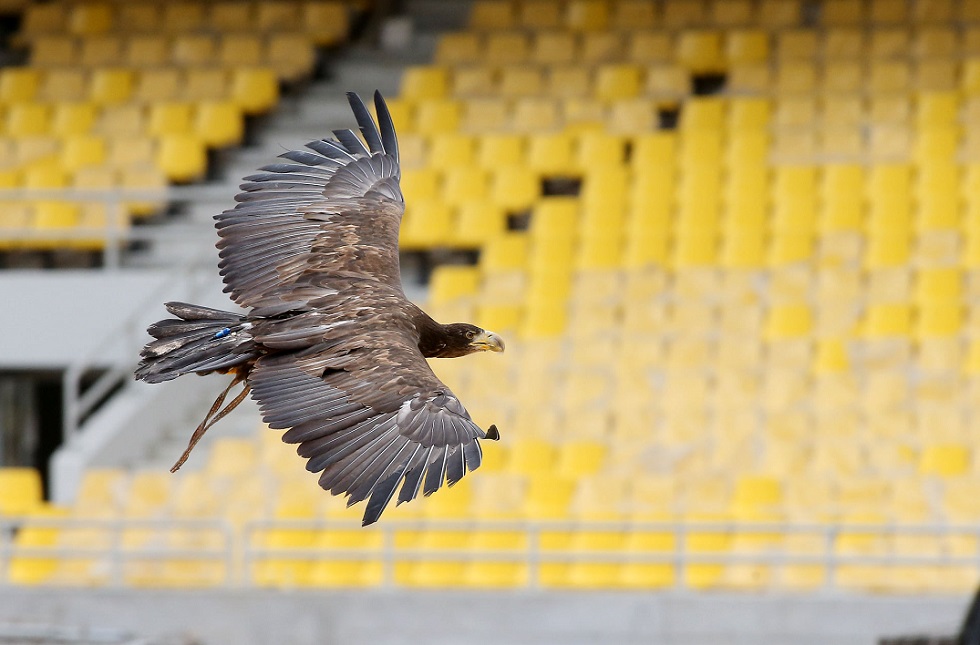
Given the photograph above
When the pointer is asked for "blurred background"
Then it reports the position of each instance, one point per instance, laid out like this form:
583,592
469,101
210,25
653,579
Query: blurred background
733,246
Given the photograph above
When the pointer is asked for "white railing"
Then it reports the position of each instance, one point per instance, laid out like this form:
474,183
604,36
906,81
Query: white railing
240,553
117,231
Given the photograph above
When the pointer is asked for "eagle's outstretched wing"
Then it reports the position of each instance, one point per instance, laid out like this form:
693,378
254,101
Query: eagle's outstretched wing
331,210
363,404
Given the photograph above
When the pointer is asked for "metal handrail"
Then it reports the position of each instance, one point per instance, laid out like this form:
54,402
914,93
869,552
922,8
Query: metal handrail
242,550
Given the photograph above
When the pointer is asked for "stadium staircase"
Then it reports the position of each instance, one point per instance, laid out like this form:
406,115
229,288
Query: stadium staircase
734,249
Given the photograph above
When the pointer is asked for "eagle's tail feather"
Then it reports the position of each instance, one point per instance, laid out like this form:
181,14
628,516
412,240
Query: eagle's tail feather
198,340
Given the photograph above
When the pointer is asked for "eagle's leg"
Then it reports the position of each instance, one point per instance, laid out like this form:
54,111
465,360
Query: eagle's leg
210,420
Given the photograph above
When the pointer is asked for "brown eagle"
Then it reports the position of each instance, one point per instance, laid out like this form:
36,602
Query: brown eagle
330,347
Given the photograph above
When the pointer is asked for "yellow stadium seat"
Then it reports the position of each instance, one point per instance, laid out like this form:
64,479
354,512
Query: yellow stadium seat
587,15
426,224
19,84
551,154
256,90
147,50
73,119
492,14
218,123
831,357
458,47
700,51
328,23
477,221
936,11
539,14
600,47
181,157
633,14
20,490
52,220
271,16
28,119
291,55
519,80
451,150
35,152
648,48
43,19
182,17
945,460
231,16
125,152
514,188
842,12
437,115
569,81
938,285
170,118
450,282
463,184
789,321
580,459
937,320
703,114
90,18
49,51
425,82
796,44
684,13
796,77
746,47
844,43
208,84
139,18
63,85
110,85
473,80
155,85
553,48
100,51
889,42
240,49
506,48
728,13
81,151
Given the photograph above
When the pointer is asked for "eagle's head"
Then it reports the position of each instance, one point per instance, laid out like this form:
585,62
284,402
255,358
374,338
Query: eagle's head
461,339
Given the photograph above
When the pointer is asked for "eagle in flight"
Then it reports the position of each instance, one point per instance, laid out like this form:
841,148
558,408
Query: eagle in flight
330,347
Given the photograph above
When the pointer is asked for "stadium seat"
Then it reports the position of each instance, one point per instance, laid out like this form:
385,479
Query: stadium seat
20,491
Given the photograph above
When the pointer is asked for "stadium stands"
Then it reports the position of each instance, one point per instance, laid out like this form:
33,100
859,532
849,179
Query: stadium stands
740,350
156,86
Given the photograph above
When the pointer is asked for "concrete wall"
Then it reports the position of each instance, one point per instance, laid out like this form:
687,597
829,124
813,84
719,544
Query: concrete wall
452,618
51,318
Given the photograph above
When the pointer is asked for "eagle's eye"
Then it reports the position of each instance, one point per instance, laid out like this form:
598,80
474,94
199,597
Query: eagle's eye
470,335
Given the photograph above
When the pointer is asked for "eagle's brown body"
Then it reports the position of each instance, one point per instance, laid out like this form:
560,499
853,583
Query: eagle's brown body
330,347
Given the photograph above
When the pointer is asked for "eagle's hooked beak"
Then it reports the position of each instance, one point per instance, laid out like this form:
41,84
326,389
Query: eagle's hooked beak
488,341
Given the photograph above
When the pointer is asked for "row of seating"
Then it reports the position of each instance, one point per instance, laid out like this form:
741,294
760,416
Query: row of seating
772,14
219,123
292,55
611,82
51,225
707,49
327,21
